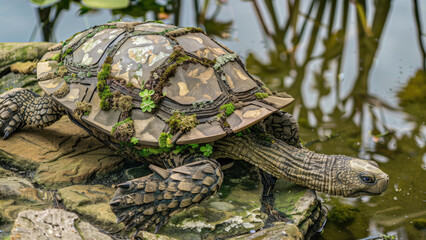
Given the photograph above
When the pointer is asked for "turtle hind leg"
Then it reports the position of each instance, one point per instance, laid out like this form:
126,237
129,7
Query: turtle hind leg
153,199
20,107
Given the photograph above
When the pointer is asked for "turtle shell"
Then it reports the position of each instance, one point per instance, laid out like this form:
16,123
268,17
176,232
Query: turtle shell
188,71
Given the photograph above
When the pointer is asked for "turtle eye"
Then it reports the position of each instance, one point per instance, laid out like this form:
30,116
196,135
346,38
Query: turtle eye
367,179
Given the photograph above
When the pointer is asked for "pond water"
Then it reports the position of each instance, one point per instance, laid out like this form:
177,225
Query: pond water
357,71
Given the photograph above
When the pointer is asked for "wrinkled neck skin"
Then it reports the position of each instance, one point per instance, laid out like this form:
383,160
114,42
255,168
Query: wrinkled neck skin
332,174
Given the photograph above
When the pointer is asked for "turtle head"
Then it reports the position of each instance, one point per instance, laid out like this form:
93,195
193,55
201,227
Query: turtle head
356,177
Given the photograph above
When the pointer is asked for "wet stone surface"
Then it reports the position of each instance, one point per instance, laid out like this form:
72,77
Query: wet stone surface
53,224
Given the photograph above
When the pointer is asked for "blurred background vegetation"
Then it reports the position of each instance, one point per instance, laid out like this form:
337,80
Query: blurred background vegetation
357,70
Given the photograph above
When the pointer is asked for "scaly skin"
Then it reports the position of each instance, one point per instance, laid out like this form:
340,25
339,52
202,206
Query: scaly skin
20,107
153,199
333,174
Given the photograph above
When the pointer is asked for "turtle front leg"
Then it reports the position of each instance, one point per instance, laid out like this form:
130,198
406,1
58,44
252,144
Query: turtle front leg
20,107
153,199
283,126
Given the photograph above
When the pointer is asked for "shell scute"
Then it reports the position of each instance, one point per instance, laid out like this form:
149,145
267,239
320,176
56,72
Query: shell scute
91,51
138,56
194,84
99,118
201,46
147,127
237,79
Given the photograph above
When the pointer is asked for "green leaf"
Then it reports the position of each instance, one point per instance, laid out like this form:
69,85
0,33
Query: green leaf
207,150
134,140
44,2
146,94
108,4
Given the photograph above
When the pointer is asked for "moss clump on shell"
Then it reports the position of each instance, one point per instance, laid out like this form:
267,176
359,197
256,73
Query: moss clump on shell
261,95
228,109
123,102
103,89
179,122
62,91
82,108
123,130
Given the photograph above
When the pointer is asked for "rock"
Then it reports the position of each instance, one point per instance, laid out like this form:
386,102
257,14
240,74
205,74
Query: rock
13,186
92,202
6,173
301,205
17,52
224,214
16,80
53,224
281,231
62,154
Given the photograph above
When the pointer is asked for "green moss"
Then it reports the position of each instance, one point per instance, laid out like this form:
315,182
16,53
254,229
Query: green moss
229,108
343,214
261,95
82,108
68,51
103,89
178,122
127,120
192,148
123,102
146,152
56,57
419,223
165,140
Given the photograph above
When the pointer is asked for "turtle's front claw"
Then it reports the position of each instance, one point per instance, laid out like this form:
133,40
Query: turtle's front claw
10,115
6,134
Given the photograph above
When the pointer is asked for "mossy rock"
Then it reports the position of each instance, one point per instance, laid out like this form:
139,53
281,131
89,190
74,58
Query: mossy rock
62,154
91,202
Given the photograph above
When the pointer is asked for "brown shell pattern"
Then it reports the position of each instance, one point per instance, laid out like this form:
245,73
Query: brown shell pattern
140,53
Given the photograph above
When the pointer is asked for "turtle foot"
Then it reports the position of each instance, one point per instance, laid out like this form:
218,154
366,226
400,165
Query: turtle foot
11,118
153,199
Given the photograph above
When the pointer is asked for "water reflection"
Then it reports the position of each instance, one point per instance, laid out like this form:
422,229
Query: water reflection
356,68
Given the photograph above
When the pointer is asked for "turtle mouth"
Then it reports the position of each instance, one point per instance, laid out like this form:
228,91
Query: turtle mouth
364,193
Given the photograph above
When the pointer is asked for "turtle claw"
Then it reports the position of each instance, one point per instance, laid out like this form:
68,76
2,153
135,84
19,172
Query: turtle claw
6,134
125,185
115,203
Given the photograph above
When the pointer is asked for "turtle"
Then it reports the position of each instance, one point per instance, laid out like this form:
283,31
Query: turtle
181,101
